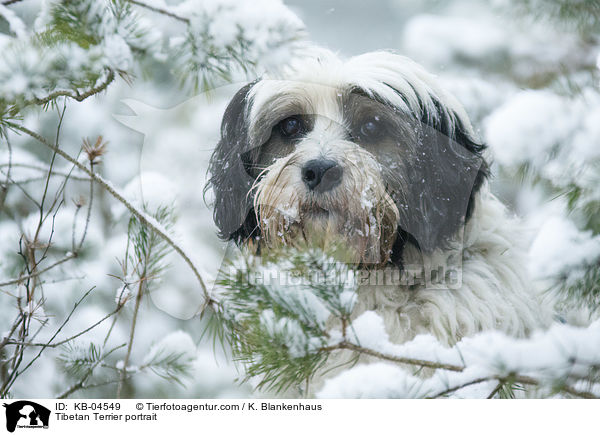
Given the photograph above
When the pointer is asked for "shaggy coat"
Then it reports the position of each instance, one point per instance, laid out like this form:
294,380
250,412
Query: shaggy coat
373,152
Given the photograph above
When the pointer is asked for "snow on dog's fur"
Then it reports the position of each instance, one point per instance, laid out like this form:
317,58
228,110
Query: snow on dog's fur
373,153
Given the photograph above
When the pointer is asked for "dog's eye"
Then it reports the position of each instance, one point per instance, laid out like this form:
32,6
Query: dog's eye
291,127
372,128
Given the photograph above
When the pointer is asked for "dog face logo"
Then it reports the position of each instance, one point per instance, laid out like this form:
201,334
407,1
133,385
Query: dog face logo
26,414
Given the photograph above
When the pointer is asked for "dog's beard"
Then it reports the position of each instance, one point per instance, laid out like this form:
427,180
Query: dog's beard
358,215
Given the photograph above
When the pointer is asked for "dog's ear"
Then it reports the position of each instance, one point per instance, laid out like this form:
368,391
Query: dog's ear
230,182
445,175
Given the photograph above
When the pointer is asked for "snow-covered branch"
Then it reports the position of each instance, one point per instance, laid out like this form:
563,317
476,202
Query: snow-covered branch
286,318
134,209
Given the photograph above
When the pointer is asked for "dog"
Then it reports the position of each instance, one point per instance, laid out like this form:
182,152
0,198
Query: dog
373,152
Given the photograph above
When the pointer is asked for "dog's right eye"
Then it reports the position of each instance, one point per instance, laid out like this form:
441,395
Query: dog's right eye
372,129
291,127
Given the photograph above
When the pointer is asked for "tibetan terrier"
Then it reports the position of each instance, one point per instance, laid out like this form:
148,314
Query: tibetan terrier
373,153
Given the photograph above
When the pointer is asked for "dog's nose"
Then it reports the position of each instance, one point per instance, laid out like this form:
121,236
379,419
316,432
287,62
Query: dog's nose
321,175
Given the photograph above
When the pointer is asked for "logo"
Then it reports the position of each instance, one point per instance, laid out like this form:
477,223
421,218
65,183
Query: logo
26,414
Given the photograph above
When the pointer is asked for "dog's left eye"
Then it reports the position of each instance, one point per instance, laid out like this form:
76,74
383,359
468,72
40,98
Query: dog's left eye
291,127
372,129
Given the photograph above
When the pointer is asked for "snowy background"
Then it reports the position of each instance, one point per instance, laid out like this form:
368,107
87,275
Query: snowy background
530,86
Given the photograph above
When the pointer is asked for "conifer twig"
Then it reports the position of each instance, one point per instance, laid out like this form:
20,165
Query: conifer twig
520,379
39,272
400,360
159,11
495,390
4,186
81,384
71,338
136,310
110,76
140,215
458,387
16,373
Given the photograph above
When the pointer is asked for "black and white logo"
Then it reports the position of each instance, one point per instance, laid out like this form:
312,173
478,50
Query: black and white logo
25,414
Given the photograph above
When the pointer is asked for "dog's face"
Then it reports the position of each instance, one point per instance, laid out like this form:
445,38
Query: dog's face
369,153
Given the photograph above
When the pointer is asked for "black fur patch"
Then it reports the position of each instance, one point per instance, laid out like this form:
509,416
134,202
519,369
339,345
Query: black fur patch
447,172
230,180
444,171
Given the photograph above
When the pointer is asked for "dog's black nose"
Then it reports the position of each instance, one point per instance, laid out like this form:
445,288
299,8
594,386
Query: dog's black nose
321,175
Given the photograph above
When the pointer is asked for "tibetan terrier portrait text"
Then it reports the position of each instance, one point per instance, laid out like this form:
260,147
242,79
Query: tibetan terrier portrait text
373,154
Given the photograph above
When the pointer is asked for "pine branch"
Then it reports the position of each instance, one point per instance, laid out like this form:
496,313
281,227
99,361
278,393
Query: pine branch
411,361
12,330
140,215
69,339
274,327
4,186
513,377
110,76
168,366
15,372
458,387
138,301
29,276
77,248
496,390
81,384
159,11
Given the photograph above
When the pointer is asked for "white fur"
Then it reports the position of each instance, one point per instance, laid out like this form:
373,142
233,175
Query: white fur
494,291
321,70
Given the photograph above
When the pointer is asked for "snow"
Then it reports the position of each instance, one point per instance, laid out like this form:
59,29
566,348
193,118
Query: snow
171,170
369,330
479,96
264,25
465,45
288,330
298,299
122,295
437,40
151,190
383,380
117,52
348,298
561,351
216,378
586,142
560,248
466,33
14,22
256,21
137,204
177,343
518,131
374,381
59,231
35,309
557,137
